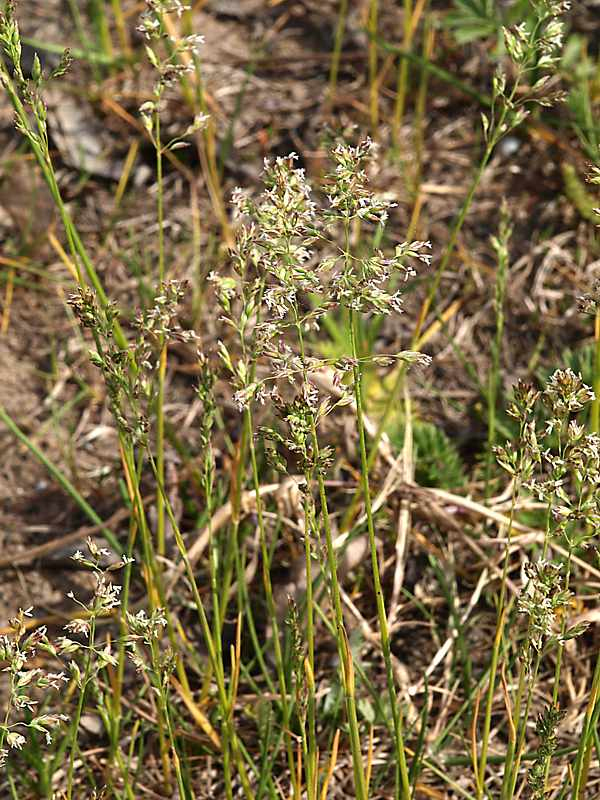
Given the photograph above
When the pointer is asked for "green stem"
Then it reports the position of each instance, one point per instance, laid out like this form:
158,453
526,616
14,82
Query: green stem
152,576
373,85
76,52
586,740
402,81
344,653
83,37
337,48
433,69
121,28
216,607
100,20
494,376
341,637
310,527
229,732
403,784
419,128
449,251
268,586
595,408
160,397
312,753
80,703
38,141
160,687
513,762
122,652
487,722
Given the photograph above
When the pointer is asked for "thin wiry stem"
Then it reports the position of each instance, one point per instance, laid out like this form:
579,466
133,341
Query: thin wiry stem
268,586
595,409
80,703
337,48
496,648
496,349
309,529
229,732
403,788
162,369
373,82
403,65
341,637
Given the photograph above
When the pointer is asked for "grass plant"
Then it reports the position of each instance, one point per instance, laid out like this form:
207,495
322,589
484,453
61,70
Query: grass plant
188,663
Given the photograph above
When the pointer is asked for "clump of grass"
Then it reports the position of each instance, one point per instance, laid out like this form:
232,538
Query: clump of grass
296,262
275,267
568,461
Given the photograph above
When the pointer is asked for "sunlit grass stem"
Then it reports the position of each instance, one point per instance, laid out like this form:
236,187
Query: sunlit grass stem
160,396
309,530
268,587
595,408
99,18
337,48
373,59
494,377
344,652
586,740
403,787
528,675
38,140
403,71
76,719
121,27
496,649
229,733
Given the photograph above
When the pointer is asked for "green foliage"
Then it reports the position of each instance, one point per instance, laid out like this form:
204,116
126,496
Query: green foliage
474,19
438,462
470,20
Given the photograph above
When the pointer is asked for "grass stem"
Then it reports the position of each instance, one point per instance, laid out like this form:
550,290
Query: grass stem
403,787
